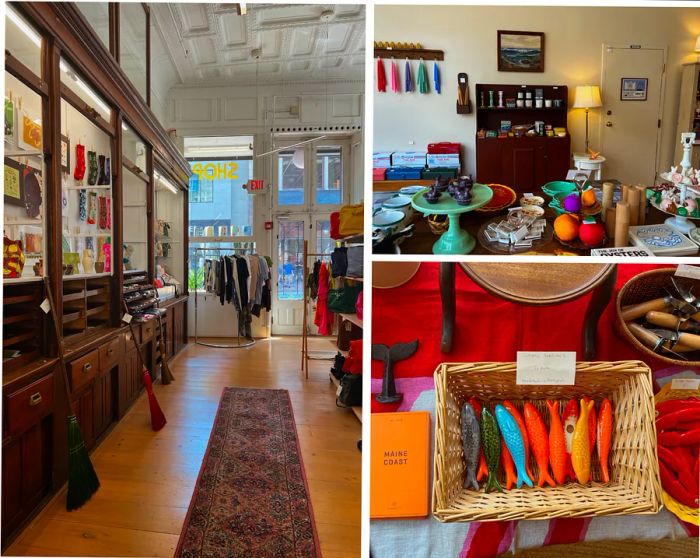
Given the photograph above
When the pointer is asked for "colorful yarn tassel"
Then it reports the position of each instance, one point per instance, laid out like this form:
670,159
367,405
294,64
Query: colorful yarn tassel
381,76
409,78
422,80
394,77
436,77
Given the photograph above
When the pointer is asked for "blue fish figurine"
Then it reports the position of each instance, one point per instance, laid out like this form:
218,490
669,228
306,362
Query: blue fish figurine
514,441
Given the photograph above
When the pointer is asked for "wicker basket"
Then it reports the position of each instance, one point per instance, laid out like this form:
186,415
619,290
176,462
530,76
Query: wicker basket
641,288
634,473
438,223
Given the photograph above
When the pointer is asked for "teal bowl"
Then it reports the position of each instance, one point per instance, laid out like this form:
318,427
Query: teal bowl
556,207
558,187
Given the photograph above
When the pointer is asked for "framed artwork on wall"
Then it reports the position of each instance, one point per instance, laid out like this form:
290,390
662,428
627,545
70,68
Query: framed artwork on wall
633,89
65,154
520,51
13,188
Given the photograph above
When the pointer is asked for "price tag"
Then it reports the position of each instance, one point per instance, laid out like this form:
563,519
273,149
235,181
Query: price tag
45,306
685,383
546,368
126,318
689,271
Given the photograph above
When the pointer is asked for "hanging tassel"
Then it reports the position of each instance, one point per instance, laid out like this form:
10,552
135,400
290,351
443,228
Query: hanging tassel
381,76
394,77
436,77
422,81
409,79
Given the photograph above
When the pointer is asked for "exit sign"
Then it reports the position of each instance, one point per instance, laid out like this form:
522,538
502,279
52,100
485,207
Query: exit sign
256,186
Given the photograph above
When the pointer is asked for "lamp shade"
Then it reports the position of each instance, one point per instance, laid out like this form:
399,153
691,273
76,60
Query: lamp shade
587,96
697,44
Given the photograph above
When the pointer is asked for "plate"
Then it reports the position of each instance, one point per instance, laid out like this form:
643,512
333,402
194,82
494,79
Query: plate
694,235
657,206
503,197
410,190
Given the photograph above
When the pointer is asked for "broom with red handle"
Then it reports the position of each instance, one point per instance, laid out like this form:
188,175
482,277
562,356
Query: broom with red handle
157,417
82,479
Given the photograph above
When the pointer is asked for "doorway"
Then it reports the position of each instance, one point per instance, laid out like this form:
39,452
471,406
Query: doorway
310,181
632,86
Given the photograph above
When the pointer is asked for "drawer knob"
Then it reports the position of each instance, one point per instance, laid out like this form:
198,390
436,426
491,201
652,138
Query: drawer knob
87,367
110,352
35,399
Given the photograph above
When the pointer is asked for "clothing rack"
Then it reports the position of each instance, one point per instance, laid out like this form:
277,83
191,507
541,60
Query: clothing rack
307,355
219,252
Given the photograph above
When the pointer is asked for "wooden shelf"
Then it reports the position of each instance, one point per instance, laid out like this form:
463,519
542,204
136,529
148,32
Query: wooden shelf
95,292
71,317
73,296
6,320
410,53
352,318
18,338
96,310
17,299
396,185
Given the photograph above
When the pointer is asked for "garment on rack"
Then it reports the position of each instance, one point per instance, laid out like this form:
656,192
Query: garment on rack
243,276
312,282
323,318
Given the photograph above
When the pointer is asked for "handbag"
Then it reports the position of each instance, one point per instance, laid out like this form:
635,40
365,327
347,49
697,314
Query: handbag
351,219
337,368
350,391
353,364
343,300
335,225
339,262
347,332
355,261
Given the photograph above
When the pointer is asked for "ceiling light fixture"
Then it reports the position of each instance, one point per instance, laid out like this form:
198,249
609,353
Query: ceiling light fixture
23,26
165,182
80,83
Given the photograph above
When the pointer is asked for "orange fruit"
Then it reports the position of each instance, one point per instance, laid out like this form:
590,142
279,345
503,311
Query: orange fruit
588,197
566,227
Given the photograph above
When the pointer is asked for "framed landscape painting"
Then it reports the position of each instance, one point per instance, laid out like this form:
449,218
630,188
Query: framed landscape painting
520,51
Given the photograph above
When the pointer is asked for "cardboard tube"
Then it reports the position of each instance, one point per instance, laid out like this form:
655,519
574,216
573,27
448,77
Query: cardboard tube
608,191
610,222
633,201
642,204
622,224
625,192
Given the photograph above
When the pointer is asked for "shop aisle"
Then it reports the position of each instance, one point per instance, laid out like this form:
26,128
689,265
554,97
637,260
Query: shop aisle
147,478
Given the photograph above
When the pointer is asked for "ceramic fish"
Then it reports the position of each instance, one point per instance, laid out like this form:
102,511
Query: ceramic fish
539,442
514,442
508,465
580,452
513,410
570,416
492,448
483,470
557,444
471,444
592,426
604,437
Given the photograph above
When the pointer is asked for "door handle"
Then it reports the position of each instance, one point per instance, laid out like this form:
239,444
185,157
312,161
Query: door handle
608,124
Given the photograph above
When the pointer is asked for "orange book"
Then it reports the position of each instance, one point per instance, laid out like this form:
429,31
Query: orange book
399,465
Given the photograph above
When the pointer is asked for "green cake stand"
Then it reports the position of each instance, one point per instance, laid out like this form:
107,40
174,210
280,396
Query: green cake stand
454,240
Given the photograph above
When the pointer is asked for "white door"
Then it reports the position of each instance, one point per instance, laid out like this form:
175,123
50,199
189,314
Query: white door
310,182
631,112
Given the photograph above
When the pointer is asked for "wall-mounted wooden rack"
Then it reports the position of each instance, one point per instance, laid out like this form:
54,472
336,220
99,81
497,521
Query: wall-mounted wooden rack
411,54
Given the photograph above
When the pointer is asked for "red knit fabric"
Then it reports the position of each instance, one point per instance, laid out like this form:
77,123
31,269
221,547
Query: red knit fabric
381,76
324,317
487,328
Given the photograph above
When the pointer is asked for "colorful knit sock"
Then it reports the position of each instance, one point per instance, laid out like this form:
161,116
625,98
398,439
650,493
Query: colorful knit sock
92,168
82,205
79,172
104,170
102,202
92,208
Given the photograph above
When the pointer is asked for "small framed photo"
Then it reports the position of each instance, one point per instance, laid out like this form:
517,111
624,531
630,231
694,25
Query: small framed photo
520,51
633,89
65,154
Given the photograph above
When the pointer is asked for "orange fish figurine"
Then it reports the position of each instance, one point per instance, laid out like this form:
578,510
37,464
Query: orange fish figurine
512,409
483,470
570,416
508,465
592,426
557,444
605,420
580,452
539,441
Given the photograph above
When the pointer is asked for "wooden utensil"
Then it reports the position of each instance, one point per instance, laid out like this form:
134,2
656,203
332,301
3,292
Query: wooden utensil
670,321
638,310
651,340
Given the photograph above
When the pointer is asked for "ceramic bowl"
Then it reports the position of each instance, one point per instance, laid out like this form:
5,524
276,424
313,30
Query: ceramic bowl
400,203
410,190
531,200
388,219
558,187
534,210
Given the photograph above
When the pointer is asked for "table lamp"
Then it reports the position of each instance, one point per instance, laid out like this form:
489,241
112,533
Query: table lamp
587,97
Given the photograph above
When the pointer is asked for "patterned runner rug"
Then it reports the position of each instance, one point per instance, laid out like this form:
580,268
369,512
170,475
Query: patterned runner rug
251,497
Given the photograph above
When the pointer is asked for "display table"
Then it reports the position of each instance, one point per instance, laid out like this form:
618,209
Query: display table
583,161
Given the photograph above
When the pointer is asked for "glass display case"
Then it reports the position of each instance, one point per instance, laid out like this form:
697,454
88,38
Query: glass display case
169,230
135,181
86,189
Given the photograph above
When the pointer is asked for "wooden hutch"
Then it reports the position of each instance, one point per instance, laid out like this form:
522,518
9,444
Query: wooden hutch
66,88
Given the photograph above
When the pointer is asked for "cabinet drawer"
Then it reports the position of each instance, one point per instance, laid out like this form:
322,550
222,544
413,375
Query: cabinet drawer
28,405
147,330
83,370
110,353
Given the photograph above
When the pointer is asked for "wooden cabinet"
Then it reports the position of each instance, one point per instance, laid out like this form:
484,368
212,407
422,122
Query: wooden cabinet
26,450
130,376
179,329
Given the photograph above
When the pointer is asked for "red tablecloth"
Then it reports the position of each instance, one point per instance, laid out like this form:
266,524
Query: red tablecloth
488,329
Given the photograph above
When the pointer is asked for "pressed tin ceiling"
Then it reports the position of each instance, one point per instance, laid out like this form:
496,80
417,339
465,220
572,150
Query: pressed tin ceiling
294,42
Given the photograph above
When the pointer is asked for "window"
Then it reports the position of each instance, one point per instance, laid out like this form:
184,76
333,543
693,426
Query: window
324,242
329,176
132,44
201,191
22,40
290,172
97,15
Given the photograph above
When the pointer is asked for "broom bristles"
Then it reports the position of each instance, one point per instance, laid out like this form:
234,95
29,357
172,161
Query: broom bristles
166,376
82,479
157,416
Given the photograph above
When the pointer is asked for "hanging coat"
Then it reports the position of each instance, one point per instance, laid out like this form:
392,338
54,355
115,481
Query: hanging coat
324,317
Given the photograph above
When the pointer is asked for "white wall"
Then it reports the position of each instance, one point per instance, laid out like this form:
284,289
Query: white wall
573,50
249,110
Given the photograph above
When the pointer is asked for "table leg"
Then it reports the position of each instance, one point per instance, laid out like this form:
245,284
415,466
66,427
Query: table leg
599,300
447,294
455,240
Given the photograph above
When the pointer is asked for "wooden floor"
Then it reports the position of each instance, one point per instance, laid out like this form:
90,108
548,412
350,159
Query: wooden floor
147,478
